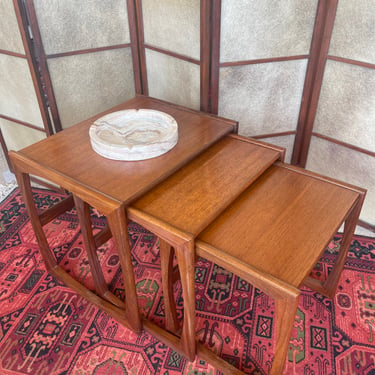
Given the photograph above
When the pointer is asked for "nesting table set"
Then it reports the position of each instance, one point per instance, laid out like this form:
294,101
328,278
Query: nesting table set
226,198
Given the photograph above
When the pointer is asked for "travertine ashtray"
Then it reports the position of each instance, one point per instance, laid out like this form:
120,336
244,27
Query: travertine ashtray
134,134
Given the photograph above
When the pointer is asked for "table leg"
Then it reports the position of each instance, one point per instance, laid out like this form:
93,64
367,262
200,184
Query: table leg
332,280
167,273
84,215
284,295
24,184
119,227
328,287
37,221
186,259
285,316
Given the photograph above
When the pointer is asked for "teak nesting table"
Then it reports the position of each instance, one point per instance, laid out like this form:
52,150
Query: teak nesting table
211,184
281,222
68,160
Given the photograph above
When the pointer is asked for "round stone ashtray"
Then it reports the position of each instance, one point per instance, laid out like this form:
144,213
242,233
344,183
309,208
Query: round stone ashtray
134,134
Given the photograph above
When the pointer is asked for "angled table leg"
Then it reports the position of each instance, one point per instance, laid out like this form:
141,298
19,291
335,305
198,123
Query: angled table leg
186,258
24,184
83,212
285,315
37,221
332,280
167,277
328,287
185,254
286,308
286,302
182,245
119,227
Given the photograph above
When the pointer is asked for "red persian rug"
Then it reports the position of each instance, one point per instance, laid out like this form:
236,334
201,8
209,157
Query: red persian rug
45,328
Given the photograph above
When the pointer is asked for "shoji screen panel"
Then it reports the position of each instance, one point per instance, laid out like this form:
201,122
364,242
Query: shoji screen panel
343,138
10,37
87,47
17,137
171,50
18,99
264,50
21,109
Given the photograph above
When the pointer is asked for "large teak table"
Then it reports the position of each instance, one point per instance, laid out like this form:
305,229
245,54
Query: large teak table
192,197
68,160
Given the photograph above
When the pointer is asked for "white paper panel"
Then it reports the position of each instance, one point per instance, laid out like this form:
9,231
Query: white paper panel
17,94
353,34
5,176
90,83
346,109
264,98
10,37
173,79
173,25
71,25
255,29
347,165
17,136
285,141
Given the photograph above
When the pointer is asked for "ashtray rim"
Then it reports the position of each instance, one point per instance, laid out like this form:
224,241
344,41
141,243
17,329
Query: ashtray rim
125,146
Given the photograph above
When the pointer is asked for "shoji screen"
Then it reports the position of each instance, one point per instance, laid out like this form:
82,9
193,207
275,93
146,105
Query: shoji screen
21,111
264,50
343,138
170,52
85,55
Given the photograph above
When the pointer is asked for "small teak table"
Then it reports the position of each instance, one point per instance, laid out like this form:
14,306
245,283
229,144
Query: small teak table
212,185
282,224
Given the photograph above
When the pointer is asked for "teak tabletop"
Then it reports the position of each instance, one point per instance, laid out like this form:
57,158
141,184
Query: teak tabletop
292,215
195,195
68,159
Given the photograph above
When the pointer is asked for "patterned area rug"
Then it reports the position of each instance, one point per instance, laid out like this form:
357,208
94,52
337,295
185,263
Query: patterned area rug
45,328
